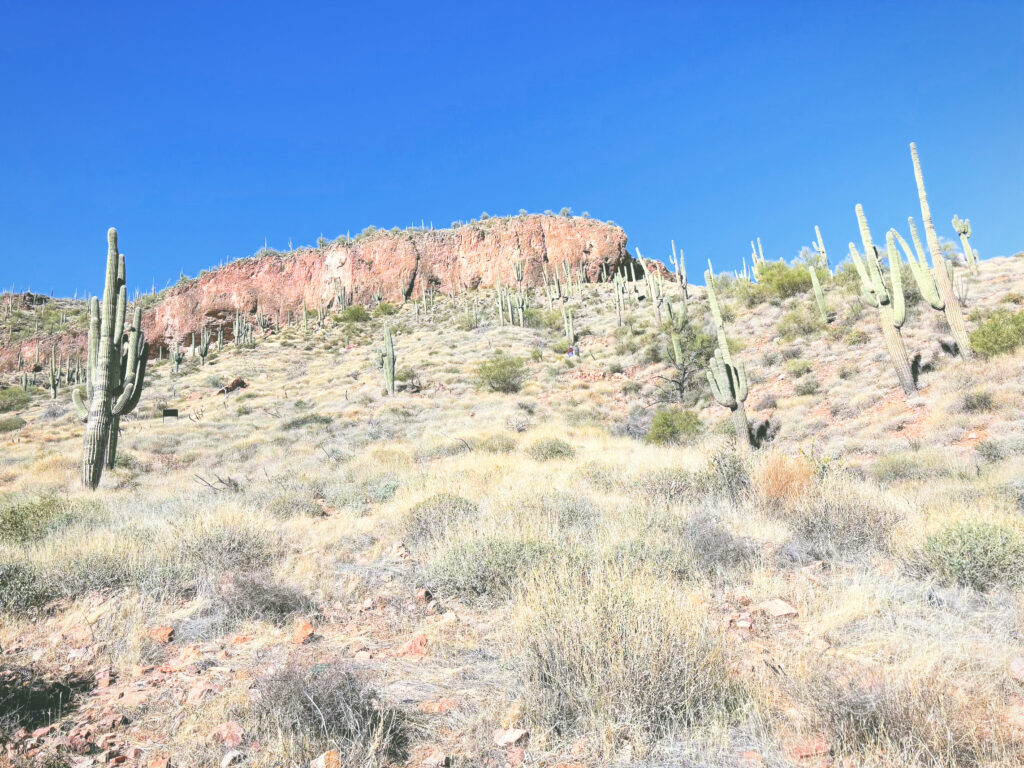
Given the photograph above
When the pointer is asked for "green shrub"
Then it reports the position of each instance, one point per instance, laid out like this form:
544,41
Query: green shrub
550,448
799,366
497,444
13,399
802,321
775,281
27,517
310,419
354,314
977,401
11,423
978,555
999,333
502,373
487,568
808,385
384,309
673,426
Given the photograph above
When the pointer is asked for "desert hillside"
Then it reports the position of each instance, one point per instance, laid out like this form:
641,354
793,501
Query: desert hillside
544,548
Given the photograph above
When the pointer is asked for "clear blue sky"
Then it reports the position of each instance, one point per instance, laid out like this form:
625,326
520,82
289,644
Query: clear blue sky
199,128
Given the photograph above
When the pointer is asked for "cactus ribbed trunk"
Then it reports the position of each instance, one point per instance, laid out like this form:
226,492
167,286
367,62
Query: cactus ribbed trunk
739,423
115,427
954,315
897,351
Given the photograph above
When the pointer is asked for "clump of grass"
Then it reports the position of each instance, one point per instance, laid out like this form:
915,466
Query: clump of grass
442,450
781,479
808,385
25,517
839,520
486,569
913,717
497,444
11,423
624,657
974,554
798,322
673,426
798,366
308,420
301,713
502,373
977,401
432,518
13,399
550,448
724,474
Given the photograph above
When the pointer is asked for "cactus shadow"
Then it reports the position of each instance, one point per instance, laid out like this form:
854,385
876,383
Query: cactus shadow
764,432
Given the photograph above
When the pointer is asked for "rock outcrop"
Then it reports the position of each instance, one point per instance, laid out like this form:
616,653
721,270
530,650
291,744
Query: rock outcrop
397,265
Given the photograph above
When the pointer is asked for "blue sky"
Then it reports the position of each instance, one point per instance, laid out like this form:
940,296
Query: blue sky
202,129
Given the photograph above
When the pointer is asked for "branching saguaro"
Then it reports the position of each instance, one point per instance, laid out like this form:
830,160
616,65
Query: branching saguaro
891,305
941,269
116,372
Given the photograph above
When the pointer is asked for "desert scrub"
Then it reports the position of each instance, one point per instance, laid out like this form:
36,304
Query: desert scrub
673,426
840,520
432,518
486,569
798,322
550,448
498,443
973,554
353,314
309,420
781,479
300,713
11,423
625,656
999,333
13,399
798,366
808,385
25,517
502,373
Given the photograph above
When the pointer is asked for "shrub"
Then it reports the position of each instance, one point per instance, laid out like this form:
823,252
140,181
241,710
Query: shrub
305,712
11,423
310,419
384,309
974,402
432,518
550,448
498,444
808,385
974,554
24,518
782,479
624,656
775,281
999,333
502,373
802,321
672,426
13,399
354,314
725,473
485,569
798,366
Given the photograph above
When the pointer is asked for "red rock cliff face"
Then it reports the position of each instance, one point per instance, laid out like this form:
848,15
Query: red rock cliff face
398,265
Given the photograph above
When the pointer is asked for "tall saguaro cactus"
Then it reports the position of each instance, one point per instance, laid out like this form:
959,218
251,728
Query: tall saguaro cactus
117,369
891,306
963,228
728,379
386,356
943,275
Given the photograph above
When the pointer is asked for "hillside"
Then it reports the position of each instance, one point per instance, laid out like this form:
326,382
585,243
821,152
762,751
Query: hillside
452,575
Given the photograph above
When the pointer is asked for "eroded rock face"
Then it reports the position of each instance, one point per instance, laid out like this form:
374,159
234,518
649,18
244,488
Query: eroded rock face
397,265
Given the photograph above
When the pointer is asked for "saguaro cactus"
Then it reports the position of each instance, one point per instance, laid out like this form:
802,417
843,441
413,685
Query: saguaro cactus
54,373
386,356
819,248
117,369
204,345
943,274
963,228
819,296
728,379
891,307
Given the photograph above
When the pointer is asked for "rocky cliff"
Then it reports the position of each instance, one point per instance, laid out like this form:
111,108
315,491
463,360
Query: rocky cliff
398,265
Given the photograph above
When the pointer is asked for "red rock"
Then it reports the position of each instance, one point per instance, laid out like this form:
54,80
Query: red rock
777,608
240,639
162,634
228,733
751,758
438,707
39,733
1017,669
102,678
510,737
811,749
197,692
399,264
134,753
159,762
329,759
415,648
302,633
436,758
236,383
516,756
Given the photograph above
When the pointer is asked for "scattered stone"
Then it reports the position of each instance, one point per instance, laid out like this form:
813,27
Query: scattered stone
415,649
162,634
1017,669
235,384
229,734
303,632
329,759
777,609
159,762
437,707
516,756
510,737
102,678
436,758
